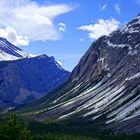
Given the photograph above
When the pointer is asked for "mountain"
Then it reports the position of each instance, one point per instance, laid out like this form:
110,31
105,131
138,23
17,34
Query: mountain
104,88
10,52
25,77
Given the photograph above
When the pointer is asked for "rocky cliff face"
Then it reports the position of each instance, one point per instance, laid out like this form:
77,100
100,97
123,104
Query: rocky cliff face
25,77
105,84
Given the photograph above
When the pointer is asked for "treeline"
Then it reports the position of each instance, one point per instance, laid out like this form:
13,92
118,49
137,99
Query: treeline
13,128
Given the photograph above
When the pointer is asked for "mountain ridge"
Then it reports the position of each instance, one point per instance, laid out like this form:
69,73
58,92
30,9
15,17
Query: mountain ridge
25,77
9,51
104,84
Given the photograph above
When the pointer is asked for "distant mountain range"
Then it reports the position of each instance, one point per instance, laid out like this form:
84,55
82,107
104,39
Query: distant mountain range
104,88
25,77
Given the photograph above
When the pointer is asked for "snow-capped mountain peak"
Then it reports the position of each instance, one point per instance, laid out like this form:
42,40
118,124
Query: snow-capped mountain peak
132,26
27,79
10,52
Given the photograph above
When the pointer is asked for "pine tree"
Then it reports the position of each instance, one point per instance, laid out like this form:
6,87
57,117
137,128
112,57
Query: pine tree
13,129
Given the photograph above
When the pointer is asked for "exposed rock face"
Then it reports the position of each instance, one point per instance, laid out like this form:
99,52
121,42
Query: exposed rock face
23,77
105,83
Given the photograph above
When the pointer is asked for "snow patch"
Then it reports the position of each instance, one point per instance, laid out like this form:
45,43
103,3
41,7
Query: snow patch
137,75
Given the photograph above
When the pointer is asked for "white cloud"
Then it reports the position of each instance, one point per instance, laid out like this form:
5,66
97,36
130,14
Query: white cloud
11,35
29,20
103,7
117,8
62,27
102,27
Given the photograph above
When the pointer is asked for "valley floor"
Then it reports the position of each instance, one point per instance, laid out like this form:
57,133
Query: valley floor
13,128
53,131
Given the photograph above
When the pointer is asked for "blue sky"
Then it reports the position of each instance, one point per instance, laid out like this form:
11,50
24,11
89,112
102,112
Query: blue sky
68,29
